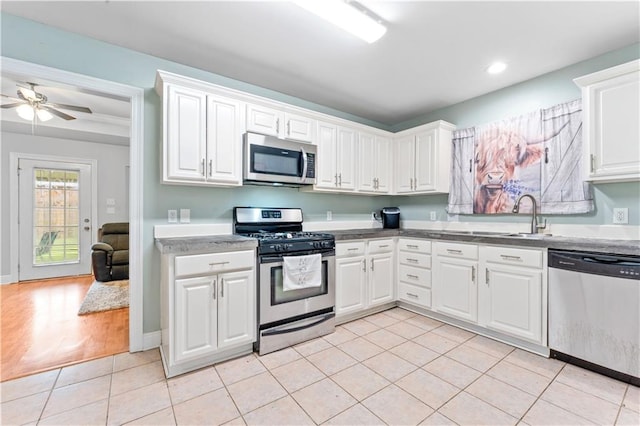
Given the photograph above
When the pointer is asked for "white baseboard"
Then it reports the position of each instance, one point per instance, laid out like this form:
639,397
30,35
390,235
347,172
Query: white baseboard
151,340
6,279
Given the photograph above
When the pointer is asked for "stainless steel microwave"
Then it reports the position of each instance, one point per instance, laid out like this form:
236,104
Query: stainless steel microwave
268,159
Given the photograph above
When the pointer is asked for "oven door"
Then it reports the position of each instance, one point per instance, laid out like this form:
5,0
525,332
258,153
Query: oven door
276,304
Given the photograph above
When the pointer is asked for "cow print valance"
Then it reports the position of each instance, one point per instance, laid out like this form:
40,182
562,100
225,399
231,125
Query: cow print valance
539,153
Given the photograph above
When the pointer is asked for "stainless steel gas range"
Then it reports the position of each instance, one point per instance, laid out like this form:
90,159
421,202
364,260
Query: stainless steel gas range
287,316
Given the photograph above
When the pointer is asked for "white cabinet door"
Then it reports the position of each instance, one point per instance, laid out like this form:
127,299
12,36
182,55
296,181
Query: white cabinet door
195,329
454,288
224,140
404,164
346,159
611,105
384,164
381,279
366,162
425,161
298,127
511,301
236,313
264,120
326,168
350,285
186,133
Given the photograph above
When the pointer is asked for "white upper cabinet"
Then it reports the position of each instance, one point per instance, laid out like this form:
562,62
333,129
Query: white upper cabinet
611,120
202,134
423,159
374,164
280,123
336,157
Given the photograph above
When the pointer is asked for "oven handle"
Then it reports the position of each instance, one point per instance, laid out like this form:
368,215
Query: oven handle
278,258
284,330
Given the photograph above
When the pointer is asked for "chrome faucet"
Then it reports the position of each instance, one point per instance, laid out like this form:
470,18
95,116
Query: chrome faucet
534,220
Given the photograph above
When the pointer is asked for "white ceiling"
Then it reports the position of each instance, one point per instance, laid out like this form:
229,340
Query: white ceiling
433,55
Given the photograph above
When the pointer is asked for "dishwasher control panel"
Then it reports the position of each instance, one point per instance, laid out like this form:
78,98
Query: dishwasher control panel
610,265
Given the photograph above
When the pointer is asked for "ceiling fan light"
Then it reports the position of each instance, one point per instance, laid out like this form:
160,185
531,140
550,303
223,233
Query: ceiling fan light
26,112
44,115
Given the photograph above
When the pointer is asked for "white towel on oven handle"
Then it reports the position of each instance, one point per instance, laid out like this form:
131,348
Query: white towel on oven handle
301,272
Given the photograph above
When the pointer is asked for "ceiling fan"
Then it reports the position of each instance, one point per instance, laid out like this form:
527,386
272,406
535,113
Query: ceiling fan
32,104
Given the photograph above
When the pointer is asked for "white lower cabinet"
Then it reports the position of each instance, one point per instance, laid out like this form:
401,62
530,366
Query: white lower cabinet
511,291
414,272
454,283
208,309
502,289
365,275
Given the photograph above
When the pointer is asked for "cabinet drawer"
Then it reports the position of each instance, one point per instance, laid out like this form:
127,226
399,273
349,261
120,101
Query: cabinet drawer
464,251
350,249
514,256
380,246
199,264
414,294
416,276
420,246
415,259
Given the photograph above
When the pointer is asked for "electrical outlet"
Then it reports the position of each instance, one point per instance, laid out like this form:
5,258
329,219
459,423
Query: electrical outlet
329,215
621,215
433,216
185,215
172,216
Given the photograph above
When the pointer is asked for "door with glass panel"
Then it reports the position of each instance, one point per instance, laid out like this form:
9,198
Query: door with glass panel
54,219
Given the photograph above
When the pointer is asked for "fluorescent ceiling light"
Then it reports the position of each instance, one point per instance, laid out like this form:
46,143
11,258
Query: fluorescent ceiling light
347,15
497,68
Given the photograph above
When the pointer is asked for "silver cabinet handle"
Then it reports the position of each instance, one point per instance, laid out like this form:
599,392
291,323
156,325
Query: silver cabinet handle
384,245
411,183
210,167
352,249
215,288
453,251
470,166
593,163
364,265
221,287
277,125
412,260
340,179
415,277
217,263
507,257
413,295
486,277
412,246
336,177
202,166
372,264
473,274
289,128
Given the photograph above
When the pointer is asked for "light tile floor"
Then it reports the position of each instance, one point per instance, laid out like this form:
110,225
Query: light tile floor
393,368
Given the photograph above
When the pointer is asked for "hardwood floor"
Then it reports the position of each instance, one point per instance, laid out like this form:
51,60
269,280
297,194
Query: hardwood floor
41,329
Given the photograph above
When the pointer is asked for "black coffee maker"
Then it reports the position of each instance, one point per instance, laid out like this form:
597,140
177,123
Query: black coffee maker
391,217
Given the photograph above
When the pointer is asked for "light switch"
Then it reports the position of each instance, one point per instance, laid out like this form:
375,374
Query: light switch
185,215
172,216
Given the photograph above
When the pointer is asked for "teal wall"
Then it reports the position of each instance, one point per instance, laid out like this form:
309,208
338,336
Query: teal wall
32,42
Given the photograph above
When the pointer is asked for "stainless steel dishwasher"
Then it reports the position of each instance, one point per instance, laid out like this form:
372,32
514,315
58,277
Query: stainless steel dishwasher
594,314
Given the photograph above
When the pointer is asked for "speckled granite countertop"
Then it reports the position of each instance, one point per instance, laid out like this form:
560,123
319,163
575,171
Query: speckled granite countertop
222,243
205,244
629,247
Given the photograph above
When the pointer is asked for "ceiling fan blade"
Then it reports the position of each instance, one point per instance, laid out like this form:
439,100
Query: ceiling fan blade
27,93
11,105
71,107
11,97
57,113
